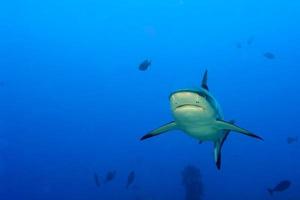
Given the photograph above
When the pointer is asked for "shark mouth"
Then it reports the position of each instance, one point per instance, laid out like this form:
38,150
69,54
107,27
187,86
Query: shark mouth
189,105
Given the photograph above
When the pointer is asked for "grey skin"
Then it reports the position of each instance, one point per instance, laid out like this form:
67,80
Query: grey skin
197,113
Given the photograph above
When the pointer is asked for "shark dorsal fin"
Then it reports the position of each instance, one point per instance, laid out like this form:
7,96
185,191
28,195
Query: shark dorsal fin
204,81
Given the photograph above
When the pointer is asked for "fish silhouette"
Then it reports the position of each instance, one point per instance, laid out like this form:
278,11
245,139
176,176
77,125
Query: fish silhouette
130,179
144,65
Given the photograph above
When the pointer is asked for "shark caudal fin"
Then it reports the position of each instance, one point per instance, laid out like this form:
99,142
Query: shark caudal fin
218,147
222,125
167,127
204,81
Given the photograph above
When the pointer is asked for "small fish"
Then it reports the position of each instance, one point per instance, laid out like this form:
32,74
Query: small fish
280,187
269,55
110,176
130,179
97,180
291,140
144,65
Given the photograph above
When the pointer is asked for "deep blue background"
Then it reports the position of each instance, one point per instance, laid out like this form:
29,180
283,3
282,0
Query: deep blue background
73,102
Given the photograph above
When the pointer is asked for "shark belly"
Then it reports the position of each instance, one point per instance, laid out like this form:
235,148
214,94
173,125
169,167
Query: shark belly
200,131
197,125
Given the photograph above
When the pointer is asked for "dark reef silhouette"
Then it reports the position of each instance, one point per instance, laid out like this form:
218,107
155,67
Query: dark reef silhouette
191,180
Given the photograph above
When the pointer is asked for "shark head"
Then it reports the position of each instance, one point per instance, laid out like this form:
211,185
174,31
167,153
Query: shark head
194,103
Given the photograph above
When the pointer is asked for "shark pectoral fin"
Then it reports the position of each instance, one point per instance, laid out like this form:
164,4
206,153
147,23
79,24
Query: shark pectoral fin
167,127
229,126
226,133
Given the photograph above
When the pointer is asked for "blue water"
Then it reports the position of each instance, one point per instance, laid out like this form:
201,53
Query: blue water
73,102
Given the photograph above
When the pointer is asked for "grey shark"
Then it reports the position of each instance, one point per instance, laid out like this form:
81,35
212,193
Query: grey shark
197,113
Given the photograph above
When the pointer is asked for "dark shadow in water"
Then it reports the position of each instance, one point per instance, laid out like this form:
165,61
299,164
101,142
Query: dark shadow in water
191,180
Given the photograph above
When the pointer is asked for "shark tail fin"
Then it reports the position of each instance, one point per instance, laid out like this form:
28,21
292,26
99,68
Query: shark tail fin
218,147
167,127
270,191
204,81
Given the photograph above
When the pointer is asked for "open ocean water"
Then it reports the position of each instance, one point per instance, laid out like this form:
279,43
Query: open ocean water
81,81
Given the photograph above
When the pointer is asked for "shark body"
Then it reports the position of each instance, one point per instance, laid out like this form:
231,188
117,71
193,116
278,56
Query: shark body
197,113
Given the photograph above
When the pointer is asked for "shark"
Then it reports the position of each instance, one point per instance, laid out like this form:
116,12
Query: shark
197,113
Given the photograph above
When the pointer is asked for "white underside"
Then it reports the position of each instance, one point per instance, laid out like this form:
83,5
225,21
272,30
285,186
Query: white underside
196,124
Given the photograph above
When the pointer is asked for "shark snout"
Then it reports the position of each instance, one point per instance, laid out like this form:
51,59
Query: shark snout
186,100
